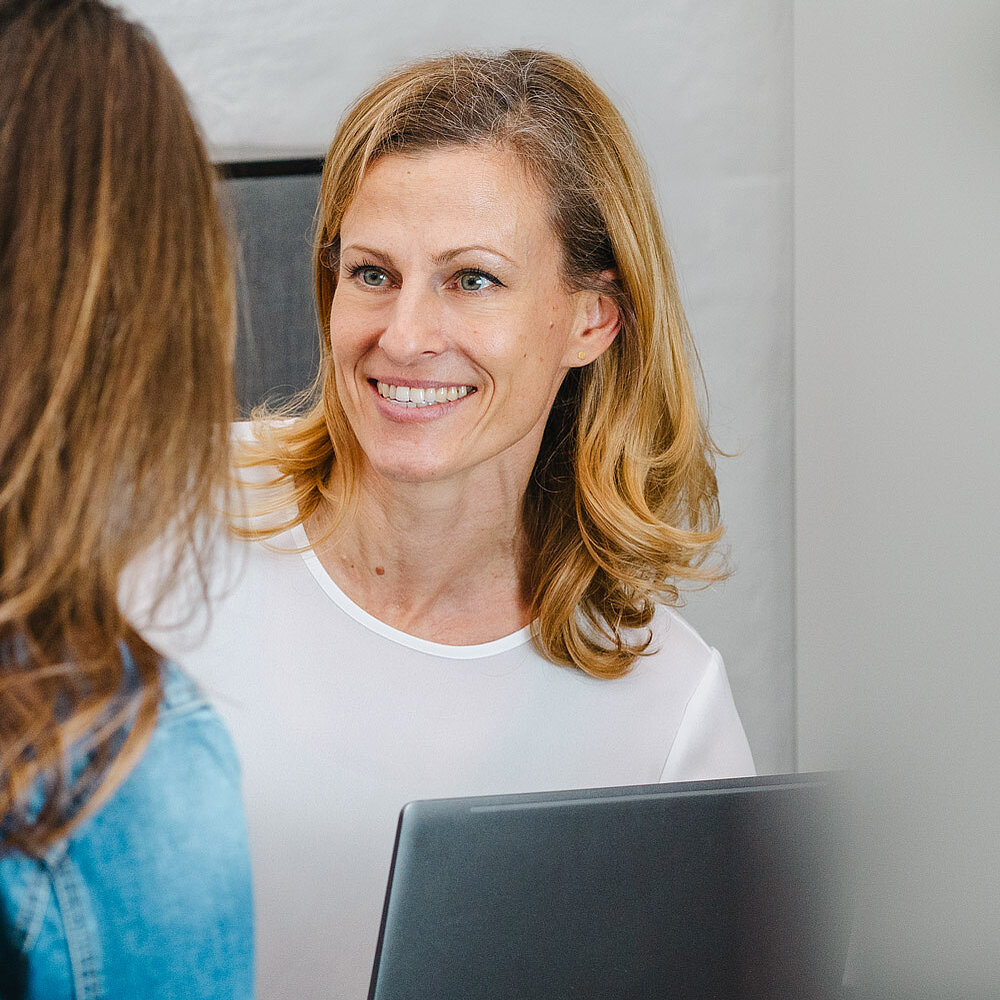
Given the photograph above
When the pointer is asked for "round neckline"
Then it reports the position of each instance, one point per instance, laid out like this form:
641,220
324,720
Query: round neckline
369,621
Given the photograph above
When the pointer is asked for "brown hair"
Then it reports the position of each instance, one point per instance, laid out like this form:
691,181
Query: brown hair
115,390
622,502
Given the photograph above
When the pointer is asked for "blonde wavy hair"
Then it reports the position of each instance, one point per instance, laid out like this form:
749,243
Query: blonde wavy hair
622,505
115,391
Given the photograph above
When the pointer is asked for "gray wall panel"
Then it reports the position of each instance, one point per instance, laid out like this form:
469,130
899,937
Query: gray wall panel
277,348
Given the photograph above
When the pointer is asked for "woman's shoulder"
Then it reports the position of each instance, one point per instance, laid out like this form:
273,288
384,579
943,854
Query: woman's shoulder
152,892
675,639
243,431
679,664
187,726
255,431
189,757
254,457
262,437
710,741
264,491
187,777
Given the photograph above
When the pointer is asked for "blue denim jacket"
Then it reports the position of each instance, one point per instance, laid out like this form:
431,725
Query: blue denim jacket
150,897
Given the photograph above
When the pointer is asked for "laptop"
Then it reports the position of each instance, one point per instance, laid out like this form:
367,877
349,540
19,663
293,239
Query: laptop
709,889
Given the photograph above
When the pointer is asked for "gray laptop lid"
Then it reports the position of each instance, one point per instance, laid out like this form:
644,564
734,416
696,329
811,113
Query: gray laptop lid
712,889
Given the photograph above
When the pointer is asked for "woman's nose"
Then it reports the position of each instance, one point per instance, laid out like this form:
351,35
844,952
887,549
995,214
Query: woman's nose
416,325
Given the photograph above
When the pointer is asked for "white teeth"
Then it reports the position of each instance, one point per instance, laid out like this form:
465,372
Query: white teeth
411,396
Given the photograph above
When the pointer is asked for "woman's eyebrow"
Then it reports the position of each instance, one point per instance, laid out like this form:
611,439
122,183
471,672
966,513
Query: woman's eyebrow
378,255
443,258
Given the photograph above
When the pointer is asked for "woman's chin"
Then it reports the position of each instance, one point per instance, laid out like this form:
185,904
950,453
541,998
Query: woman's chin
410,469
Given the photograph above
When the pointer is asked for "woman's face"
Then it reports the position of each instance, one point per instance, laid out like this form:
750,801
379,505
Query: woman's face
451,328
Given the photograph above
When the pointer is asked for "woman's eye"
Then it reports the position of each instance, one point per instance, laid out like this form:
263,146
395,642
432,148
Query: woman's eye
474,281
374,277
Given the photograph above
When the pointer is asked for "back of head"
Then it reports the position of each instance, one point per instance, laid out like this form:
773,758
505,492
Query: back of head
115,394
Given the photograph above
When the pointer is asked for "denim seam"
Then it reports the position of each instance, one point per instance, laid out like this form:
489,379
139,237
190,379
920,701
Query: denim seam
31,914
180,711
80,927
180,695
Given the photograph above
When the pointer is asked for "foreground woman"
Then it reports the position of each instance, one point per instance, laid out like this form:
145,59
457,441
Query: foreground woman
124,869
461,578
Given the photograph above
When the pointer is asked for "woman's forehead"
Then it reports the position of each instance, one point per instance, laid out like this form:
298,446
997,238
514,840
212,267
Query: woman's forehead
455,196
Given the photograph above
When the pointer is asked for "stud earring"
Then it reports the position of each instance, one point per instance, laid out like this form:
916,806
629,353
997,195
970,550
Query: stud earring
581,355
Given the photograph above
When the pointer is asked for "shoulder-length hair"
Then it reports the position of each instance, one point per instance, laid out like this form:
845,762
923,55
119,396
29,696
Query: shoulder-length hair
115,391
622,505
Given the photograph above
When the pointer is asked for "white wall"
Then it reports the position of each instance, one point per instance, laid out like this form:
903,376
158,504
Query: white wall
897,319
707,88
897,366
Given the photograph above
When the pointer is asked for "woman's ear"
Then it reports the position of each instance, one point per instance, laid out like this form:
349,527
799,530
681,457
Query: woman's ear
598,323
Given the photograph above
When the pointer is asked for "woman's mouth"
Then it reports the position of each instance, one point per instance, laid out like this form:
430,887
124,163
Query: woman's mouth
414,396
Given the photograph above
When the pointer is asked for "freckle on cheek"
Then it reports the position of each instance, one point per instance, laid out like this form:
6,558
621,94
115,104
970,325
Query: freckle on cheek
380,571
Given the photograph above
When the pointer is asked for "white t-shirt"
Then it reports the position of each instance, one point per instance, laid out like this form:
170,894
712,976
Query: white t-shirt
341,719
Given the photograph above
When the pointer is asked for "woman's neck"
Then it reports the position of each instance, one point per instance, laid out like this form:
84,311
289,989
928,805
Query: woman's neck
434,561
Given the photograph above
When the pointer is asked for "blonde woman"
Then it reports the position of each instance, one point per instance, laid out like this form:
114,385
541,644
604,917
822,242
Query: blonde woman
124,869
474,537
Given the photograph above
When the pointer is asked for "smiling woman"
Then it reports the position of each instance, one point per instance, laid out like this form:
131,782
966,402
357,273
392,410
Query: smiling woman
459,574
619,505
467,297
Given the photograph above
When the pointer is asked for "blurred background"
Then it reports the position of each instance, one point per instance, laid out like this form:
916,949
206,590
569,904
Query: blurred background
829,175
